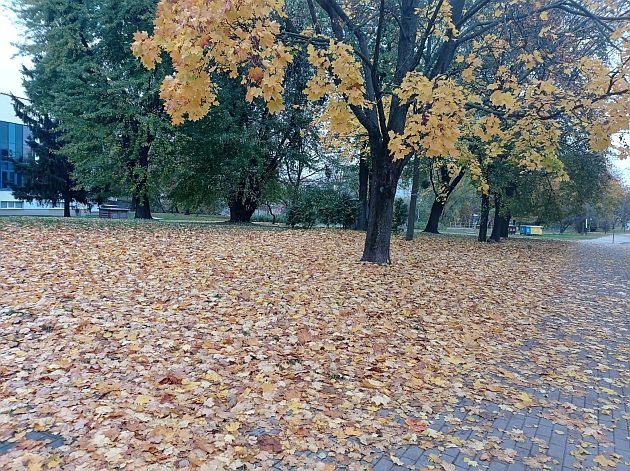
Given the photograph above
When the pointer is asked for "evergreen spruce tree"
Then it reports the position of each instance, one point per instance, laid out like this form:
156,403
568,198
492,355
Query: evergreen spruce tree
47,173
105,102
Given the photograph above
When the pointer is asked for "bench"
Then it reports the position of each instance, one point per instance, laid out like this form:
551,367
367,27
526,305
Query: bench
112,212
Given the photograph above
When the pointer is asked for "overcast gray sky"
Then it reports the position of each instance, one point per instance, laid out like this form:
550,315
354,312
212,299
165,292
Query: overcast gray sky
11,82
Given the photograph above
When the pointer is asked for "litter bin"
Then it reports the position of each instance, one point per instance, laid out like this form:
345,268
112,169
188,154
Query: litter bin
531,230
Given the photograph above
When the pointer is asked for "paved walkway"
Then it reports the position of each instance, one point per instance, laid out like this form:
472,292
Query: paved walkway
582,425
610,239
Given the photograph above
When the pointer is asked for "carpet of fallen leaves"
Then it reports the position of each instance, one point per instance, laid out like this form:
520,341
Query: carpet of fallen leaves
161,347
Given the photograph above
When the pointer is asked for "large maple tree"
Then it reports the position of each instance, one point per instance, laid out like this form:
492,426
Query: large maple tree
411,73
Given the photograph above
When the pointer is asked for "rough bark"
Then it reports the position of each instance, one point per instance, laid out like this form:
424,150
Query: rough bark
364,177
66,207
496,225
270,209
483,221
379,231
413,202
442,194
242,208
143,205
383,183
510,191
437,208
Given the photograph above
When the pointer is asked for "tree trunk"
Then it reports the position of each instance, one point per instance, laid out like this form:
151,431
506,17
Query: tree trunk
437,208
496,225
143,206
66,207
270,209
447,187
364,178
505,226
242,208
413,202
385,175
483,221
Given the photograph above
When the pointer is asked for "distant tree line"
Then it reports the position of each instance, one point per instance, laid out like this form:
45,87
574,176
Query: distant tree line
471,118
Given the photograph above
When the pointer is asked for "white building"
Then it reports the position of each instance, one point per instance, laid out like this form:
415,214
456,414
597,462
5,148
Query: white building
13,145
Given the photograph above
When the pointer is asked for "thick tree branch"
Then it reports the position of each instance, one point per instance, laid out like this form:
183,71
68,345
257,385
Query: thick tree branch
311,9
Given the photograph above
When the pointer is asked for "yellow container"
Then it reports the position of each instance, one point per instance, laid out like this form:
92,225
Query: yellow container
537,230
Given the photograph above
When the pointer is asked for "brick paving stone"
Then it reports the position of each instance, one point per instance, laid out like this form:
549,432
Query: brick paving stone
452,452
497,466
384,464
6,447
413,453
516,467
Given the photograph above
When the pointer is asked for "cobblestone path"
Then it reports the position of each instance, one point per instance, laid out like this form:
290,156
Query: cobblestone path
574,427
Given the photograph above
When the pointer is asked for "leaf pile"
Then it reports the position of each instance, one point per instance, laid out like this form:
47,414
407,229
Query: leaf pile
154,347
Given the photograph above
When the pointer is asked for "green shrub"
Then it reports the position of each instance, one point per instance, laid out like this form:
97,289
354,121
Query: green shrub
325,206
336,209
302,212
347,210
280,218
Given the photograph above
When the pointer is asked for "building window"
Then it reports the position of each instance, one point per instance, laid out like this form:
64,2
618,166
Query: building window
12,145
11,204
4,139
19,138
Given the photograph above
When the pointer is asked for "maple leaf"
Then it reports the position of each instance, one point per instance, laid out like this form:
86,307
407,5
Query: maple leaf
275,106
54,462
268,391
304,336
255,74
352,432
269,443
381,400
417,425
525,400
603,461
143,400
170,378
532,462
447,466
232,427
503,99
